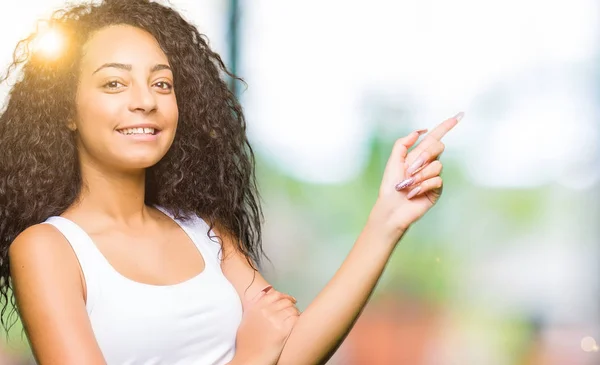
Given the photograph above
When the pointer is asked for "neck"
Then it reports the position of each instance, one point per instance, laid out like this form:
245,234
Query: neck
116,195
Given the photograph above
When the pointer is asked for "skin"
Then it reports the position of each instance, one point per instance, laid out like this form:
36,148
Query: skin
111,210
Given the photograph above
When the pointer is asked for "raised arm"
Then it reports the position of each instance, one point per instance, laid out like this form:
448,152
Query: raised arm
325,323
50,295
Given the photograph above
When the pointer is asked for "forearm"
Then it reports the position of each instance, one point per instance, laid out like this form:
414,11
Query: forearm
325,323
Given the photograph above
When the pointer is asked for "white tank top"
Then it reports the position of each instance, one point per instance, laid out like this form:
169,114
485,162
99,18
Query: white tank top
193,322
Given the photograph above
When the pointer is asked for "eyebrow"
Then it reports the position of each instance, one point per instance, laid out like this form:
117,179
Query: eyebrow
126,67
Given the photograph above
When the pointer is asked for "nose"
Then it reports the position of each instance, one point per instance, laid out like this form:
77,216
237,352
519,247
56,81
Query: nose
142,99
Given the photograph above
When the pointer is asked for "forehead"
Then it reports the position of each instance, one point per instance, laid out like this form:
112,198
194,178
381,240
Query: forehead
124,44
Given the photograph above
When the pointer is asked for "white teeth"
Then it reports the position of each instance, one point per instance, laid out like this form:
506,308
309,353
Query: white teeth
137,131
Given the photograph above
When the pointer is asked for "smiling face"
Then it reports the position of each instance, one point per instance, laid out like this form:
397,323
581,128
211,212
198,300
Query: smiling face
126,106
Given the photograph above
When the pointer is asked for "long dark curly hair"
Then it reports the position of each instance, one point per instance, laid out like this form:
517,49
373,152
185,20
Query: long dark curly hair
208,171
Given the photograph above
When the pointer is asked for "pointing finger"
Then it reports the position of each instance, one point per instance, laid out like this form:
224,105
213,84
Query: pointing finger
444,127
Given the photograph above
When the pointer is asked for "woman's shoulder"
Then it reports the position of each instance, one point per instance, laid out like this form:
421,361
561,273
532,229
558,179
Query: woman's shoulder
42,254
49,292
39,239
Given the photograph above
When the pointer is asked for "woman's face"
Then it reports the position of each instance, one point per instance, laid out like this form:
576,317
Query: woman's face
126,107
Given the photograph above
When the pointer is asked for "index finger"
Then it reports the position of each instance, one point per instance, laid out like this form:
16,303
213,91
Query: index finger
444,127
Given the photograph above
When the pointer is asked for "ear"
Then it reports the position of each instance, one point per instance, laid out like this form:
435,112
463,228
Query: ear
71,125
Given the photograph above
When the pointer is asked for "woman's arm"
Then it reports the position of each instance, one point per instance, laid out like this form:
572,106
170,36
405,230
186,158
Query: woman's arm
321,328
50,294
325,323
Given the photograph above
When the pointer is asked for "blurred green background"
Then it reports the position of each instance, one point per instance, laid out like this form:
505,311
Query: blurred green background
503,271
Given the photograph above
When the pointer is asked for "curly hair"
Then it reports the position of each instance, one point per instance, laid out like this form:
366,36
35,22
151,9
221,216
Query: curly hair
208,171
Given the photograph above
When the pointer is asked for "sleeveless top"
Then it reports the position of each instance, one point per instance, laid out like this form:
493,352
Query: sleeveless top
193,322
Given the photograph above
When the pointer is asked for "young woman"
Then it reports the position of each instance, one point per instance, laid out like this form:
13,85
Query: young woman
129,218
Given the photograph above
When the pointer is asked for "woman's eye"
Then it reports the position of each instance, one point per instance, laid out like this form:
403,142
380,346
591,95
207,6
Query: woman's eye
163,85
113,85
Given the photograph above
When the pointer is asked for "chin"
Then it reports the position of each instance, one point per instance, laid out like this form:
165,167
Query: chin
139,162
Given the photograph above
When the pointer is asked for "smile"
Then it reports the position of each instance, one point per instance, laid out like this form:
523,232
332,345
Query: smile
130,131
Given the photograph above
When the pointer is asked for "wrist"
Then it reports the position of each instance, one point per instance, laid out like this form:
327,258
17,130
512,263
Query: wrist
383,222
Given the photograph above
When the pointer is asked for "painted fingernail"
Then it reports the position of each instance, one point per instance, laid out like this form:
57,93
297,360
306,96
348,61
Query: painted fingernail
421,131
405,183
267,288
413,192
415,166
459,116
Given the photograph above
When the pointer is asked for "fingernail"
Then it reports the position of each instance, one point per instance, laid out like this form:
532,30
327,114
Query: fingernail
415,166
267,288
421,131
405,183
413,192
459,116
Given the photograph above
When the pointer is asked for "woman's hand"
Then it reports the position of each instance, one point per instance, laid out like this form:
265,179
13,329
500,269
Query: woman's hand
411,183
266,325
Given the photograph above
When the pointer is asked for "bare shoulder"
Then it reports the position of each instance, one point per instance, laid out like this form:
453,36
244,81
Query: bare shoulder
41,254
37,240
50,297
41,258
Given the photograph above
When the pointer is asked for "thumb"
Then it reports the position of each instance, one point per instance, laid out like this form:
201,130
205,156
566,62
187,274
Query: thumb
394,169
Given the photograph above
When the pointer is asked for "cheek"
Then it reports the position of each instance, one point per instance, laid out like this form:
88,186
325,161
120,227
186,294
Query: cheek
172,112
175,117
96,110
169,112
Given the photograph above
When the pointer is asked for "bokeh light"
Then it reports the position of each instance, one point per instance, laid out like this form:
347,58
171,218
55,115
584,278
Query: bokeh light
588,344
